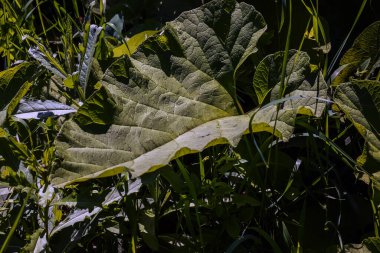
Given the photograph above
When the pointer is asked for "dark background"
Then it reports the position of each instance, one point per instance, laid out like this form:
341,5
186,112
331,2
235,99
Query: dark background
142,15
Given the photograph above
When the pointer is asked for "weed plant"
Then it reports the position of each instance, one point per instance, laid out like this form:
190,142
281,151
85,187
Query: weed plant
315,191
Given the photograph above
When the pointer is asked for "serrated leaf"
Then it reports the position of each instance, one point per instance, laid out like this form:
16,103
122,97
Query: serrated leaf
360,101
175,96
47,61
85,70
37,109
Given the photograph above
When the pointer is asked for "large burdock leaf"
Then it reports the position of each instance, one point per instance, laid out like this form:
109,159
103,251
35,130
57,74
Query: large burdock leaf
173,97
360,101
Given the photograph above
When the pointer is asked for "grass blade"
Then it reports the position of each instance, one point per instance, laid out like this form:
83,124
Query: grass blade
336,56
15,224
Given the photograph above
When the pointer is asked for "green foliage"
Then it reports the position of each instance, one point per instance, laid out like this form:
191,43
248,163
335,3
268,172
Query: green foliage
360,101
362,60
196,139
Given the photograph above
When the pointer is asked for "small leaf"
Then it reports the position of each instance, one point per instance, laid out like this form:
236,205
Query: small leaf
118,22
372,243
268,73
48,62
89,55
70,81
18,97
98,109
32,245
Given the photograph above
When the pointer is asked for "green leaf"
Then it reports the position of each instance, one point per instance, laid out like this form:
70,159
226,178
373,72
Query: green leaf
98,109
308,99
147,229
360,101
18,97
85,69
14,84
31,246
305,93
366,46
89,207
46,60
12,80
268,73
175,96
12,149
133,43
172,84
